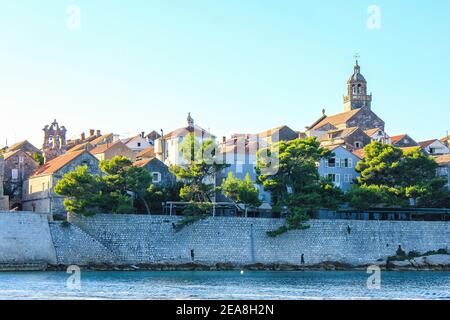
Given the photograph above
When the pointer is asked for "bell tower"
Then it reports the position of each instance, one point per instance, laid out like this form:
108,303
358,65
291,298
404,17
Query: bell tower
357,96
54,141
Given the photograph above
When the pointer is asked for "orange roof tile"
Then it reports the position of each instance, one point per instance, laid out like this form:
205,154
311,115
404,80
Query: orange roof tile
147,152
337,119
106,146
81,146
359,153
424,144
54,165
371,132
397,138
444,159
142,163
101,138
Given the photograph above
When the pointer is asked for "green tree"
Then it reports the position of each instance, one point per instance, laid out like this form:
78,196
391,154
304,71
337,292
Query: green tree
122,179
83,192
391,176
119,190
369,196
241,191
156,195
197,173
39,158
295,184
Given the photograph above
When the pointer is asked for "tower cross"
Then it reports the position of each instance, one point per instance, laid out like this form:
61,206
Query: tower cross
356,56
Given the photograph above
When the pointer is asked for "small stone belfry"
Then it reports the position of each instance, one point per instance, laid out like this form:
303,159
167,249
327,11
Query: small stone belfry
357,96
4,200
54,141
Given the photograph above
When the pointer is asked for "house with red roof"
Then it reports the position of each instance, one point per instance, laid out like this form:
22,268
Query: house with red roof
403,141
38,191
434,147
107,151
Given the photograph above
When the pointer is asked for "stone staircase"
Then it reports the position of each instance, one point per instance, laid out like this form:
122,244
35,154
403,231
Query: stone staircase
75,246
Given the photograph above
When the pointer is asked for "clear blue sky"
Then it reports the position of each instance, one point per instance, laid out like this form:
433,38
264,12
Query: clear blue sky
236,65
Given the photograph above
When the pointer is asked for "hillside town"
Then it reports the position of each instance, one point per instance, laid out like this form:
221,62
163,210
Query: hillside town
29,174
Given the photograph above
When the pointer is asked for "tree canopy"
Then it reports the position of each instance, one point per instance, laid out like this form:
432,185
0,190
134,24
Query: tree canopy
241,191
198,171
295,185
391,176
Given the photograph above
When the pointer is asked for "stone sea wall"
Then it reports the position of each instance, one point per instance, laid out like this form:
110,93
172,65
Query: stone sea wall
140,239
25,238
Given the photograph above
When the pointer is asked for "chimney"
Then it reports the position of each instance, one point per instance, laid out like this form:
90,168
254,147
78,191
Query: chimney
224,139
91,132
99,133
82,136
143,134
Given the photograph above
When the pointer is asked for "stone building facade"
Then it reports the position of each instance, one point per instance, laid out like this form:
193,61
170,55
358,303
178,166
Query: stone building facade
158,170
4,200
19,166
357,113
38,190
403,141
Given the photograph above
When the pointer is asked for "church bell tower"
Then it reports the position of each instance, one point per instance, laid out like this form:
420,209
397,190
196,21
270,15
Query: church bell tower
357,96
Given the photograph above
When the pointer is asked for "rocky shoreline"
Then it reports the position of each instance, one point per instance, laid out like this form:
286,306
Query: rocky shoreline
425,263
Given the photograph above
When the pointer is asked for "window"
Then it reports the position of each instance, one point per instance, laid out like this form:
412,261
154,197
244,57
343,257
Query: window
156,177
358,145
14,174
348,178
331,163
138,144
347,163
33,207
334,178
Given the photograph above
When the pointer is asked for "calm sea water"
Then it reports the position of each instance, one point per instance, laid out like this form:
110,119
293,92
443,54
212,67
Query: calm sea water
225,285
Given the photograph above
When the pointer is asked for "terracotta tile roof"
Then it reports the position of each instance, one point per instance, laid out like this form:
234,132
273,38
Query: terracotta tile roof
105,146
147,153
359,153
395,139
181,132
424,144
249,148
444,159
128,140
270,132
54,165
338,134
9,154
81,146
24,145
101,138
371,132
336,119
142,163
